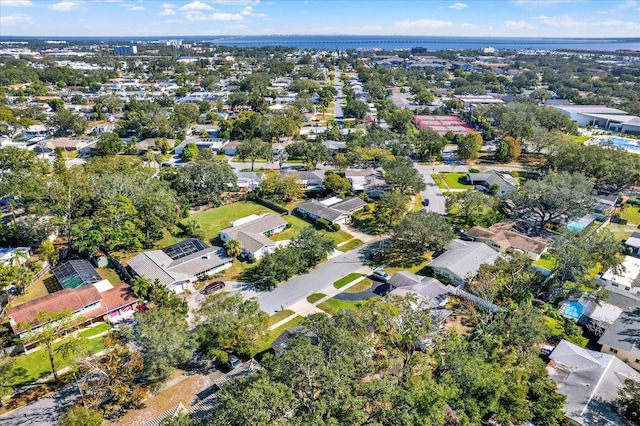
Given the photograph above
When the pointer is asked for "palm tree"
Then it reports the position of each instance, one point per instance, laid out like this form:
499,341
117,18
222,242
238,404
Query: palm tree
140,287
233,248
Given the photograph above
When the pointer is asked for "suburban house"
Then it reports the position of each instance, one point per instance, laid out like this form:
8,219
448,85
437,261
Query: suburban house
432,291
249,180
595,316
333,210
231,148
212,144
335,146
180,264
253,231
590,380
282,341
150,144
368,181
11,255
632,244
605,207
503,236
109,305
462,259
310,180
81,145
627,278
102,128
504,183
621,338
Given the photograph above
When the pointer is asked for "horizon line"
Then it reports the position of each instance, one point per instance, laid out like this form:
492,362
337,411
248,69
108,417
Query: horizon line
320,35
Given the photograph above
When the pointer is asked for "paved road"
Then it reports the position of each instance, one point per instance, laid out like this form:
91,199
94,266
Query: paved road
315,280
339,115
44,412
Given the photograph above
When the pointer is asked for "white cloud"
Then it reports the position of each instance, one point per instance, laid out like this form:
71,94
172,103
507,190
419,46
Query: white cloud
196,5
560,22
167,12
65,6
628,4
235,2
458,6
248,11
518,25
15,19
132,6
218,16
16,3
168,6
419,24
136,8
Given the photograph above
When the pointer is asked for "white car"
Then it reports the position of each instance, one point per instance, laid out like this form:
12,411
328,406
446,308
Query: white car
380,275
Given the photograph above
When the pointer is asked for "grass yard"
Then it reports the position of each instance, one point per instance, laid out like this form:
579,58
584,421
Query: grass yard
36,290
267,340
554,326
234,272
546,261
456,180
417,206
581,139
360,286
277,317
621,232
36,364
314,297
110,275
350,245
631,214
333,306
346,279
297,224
438,180
339,237
94,331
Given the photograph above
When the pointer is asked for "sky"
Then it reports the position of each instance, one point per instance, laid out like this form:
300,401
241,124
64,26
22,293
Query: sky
499,18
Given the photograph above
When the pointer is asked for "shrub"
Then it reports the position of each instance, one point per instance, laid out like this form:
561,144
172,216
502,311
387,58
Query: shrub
335,227
474,171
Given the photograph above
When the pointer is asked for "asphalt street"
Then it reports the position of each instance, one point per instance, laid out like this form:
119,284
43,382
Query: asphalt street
44,412
313,281
339,115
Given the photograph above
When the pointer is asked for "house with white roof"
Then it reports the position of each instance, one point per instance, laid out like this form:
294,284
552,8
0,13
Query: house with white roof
253,232
603,117
627,277
462,260
504,183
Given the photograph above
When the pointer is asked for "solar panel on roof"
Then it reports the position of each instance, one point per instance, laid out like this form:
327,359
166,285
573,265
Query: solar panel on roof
185,248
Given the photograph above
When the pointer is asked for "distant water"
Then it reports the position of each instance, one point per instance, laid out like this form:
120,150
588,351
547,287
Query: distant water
429,43
344,42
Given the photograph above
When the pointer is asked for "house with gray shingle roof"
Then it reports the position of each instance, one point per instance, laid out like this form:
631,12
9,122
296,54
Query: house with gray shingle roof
462,260
180,264
333,210
253,231
590,380
505,183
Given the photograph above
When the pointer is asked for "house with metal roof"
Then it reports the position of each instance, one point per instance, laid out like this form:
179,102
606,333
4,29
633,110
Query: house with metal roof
333,210
462,260
590,380
253,232
180,264
622,338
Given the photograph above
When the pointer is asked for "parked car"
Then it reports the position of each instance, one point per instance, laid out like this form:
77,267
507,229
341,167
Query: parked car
425,202
233,362
213,287
380,275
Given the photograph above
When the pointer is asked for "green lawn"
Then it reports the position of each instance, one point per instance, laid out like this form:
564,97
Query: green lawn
266,341
456,180
631,214
94,331
346,279
546,261
276,318
36,364
109,275
360,286
350,245
333,306
581,139
314,297
214,220
438,180
417,206
297,224
339,237
554,326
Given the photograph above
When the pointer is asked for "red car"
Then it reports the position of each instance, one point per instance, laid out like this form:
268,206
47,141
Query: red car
214,286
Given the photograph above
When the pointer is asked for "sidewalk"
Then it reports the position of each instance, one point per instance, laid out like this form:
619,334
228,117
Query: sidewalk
304,308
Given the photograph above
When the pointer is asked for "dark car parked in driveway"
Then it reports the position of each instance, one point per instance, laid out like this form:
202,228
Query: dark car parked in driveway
213,287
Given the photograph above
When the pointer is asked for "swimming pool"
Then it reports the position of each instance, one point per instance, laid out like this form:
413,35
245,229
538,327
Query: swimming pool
628,144
574,310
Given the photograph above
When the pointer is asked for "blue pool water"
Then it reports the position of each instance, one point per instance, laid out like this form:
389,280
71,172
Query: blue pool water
575,226
628,144
574,310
